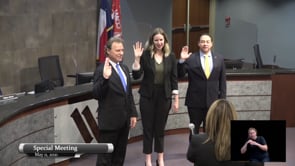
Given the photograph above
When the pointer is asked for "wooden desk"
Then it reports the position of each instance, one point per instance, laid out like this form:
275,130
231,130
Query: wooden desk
283,98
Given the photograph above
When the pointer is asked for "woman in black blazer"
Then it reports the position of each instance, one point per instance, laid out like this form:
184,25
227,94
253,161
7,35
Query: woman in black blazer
158,86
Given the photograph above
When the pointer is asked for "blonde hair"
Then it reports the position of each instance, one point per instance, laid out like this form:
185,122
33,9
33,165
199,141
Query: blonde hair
252,128
218,121
150,43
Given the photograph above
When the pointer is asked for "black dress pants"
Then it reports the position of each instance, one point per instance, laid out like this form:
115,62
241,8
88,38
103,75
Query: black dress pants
197,116
119,138
154,113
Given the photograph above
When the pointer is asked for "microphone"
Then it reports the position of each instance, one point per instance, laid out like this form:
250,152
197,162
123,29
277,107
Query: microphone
274,59
75,64
191,126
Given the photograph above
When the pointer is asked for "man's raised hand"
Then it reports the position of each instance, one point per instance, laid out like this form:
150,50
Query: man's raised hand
107,69
184,53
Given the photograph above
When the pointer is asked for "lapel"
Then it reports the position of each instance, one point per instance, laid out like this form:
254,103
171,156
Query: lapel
214,61
166,65
152,64
149,64
198,60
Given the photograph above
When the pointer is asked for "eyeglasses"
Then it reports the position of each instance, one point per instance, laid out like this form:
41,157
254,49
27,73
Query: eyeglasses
205,41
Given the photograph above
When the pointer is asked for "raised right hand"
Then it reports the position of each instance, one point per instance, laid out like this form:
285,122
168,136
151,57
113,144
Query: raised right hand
138,49
107,69
184,53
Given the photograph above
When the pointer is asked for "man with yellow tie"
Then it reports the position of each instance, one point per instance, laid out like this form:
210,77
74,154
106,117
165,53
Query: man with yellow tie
206,79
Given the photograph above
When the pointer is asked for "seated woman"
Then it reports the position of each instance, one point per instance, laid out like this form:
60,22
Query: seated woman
214,147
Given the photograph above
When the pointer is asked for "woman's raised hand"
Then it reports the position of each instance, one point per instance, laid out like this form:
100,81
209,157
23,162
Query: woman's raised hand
138,49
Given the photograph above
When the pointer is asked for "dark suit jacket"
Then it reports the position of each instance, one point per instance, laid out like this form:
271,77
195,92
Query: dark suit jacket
115,106
201,93
147,66
203,154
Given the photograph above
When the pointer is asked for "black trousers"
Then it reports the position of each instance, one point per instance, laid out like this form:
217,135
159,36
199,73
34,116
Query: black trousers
119,138
154,113
197,116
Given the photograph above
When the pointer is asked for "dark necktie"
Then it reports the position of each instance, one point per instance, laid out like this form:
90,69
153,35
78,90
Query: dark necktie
121,76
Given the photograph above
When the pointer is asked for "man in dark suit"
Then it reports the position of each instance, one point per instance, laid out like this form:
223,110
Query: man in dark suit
206,79
116,108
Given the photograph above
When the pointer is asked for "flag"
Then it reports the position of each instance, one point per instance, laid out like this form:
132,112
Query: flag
116,15
105,29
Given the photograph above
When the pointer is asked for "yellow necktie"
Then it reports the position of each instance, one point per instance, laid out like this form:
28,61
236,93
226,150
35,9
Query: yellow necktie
207,66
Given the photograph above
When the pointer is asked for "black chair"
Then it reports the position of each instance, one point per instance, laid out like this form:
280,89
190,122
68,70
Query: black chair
259,63
233,63
82,78
49,68
44,86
